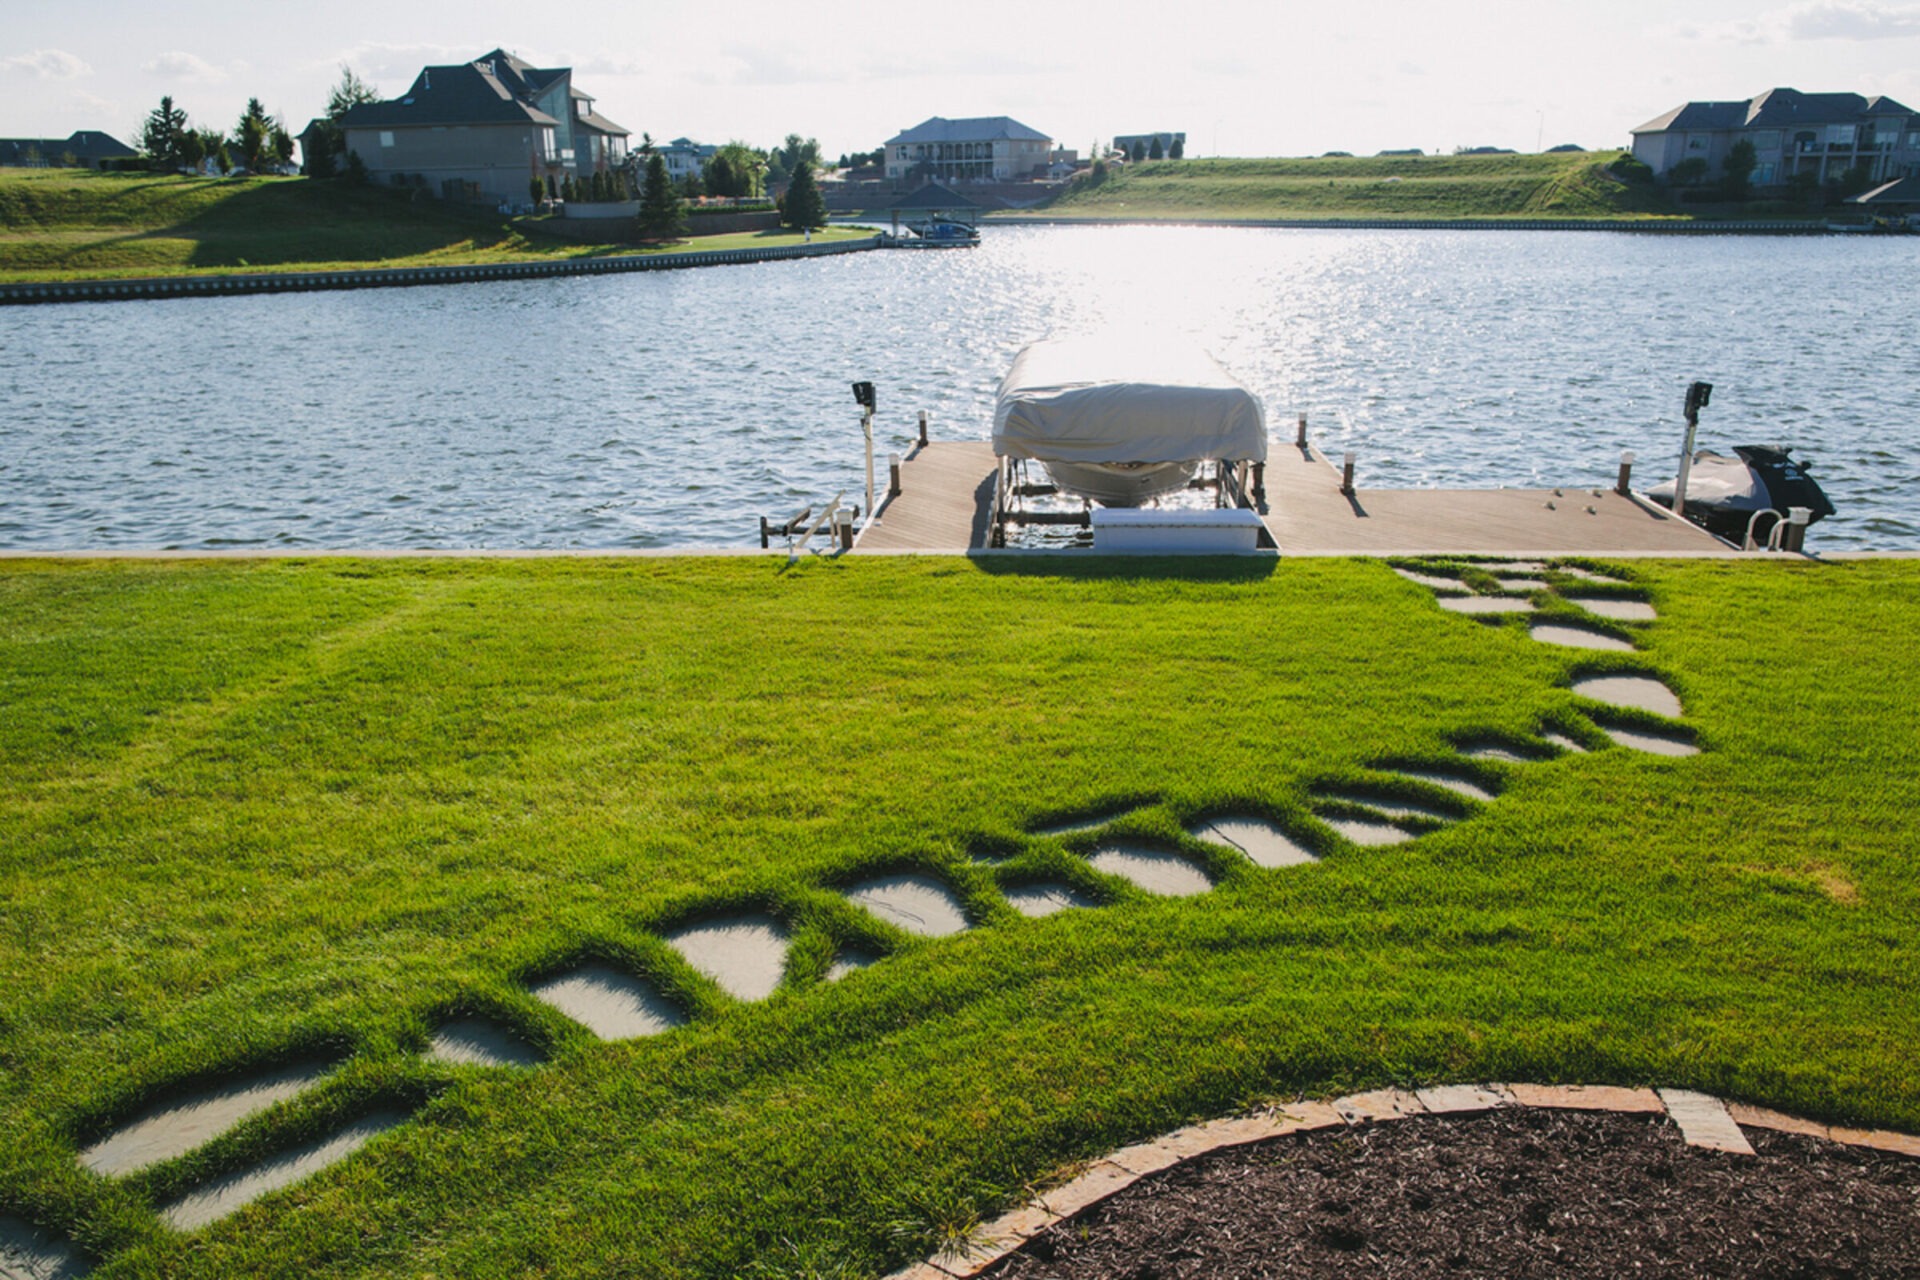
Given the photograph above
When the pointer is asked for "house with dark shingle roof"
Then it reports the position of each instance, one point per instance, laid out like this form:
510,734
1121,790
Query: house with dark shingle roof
1821,134
481,129
84,150
981,149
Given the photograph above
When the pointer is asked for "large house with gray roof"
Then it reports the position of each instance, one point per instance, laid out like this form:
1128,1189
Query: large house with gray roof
479,130
982,149
85,149
1821,134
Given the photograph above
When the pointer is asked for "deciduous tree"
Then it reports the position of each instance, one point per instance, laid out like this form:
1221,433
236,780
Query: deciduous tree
1740,164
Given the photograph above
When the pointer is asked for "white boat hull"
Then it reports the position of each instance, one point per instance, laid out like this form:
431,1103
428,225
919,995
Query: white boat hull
1120,484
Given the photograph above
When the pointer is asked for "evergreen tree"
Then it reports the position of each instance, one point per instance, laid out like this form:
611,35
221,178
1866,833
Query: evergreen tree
1139,150
193,149
1177,151
222,158
662,216
161,137
351,92
1154,152
1740,164
280,144
719,177
805,206
253,135
536,189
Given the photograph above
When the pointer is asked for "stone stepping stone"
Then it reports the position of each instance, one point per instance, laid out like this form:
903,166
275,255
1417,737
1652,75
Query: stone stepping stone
745,954
849,961
611,1004
1484,604
1642,693
1434,583
174,1128
1390,808
1494,751
1464,787
27,1254
1562,741
1363,832
1652,743
218,1199
1045,897
1155,870
1579,638
1584,575
1517,566
917,903
1074,826
1262,841
1521,584
1618,610
480,1042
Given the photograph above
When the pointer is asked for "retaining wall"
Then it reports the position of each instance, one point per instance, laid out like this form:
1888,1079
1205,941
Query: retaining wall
400,277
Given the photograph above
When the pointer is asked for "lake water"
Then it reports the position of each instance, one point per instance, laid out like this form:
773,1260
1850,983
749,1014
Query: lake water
672,409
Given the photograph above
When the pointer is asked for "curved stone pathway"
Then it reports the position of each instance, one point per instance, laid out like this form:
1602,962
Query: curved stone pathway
745,954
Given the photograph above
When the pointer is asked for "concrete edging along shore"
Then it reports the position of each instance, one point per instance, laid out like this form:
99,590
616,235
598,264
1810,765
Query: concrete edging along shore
1704,1121
1648,226
153,288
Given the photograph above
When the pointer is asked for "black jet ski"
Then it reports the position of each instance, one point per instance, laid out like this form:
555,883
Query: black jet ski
1724,494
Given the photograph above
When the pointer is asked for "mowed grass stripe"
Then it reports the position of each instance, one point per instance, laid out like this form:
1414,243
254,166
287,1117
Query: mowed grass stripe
259,808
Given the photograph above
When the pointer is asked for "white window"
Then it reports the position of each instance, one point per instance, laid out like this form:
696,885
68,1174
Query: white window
386,137
1840,135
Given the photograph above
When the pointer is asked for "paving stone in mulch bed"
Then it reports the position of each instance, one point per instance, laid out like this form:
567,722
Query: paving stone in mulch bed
1520,1192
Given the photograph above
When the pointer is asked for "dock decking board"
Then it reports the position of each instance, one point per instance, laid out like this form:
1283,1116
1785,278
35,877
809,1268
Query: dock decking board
946,492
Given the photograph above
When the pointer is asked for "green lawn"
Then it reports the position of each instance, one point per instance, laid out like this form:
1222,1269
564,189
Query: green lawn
256,810
1561,185
60,224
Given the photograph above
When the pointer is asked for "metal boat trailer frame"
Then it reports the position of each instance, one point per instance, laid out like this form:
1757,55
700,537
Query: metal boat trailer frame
1236,484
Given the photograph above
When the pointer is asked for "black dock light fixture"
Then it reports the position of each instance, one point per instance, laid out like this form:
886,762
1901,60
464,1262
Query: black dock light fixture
863,395
1698,394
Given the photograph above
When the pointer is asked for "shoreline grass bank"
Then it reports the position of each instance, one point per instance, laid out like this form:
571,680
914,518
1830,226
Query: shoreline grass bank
258,810
60,226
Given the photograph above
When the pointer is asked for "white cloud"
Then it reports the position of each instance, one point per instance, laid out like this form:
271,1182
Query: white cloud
1852,20
184,66
49,64
1821,20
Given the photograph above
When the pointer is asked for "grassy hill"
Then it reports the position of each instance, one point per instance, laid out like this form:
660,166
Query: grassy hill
1566,185
68,224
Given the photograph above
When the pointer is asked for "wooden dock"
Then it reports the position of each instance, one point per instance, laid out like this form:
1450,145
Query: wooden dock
946,496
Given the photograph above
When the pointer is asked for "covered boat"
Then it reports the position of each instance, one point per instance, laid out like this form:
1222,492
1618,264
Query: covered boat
1122,422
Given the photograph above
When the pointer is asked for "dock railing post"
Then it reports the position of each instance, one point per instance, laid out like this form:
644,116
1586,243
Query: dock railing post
893,475
923,428
1300,437
1624,485
1346,474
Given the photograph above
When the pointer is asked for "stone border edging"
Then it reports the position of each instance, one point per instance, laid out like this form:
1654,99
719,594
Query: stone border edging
155,288
1704,1121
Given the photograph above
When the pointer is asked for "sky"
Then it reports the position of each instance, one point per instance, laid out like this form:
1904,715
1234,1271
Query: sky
1238,77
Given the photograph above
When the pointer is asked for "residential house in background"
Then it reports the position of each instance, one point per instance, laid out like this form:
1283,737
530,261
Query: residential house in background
1821,134
1124,143
84,150
685,157
982,149
479,130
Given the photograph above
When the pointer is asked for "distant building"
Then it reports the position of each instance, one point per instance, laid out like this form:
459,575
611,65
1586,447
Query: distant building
983,149
1822,134
481,129
685,157
1124,142
84,150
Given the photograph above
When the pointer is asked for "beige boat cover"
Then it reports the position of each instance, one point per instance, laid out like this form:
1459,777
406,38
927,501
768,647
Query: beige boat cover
1108,400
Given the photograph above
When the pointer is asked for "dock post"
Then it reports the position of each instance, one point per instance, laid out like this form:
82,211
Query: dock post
1624,485
923,428
1300,437
1794,537
1259,482
1346,474
893,475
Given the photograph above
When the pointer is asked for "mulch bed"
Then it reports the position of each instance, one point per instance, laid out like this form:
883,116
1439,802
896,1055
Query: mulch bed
1520,1192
